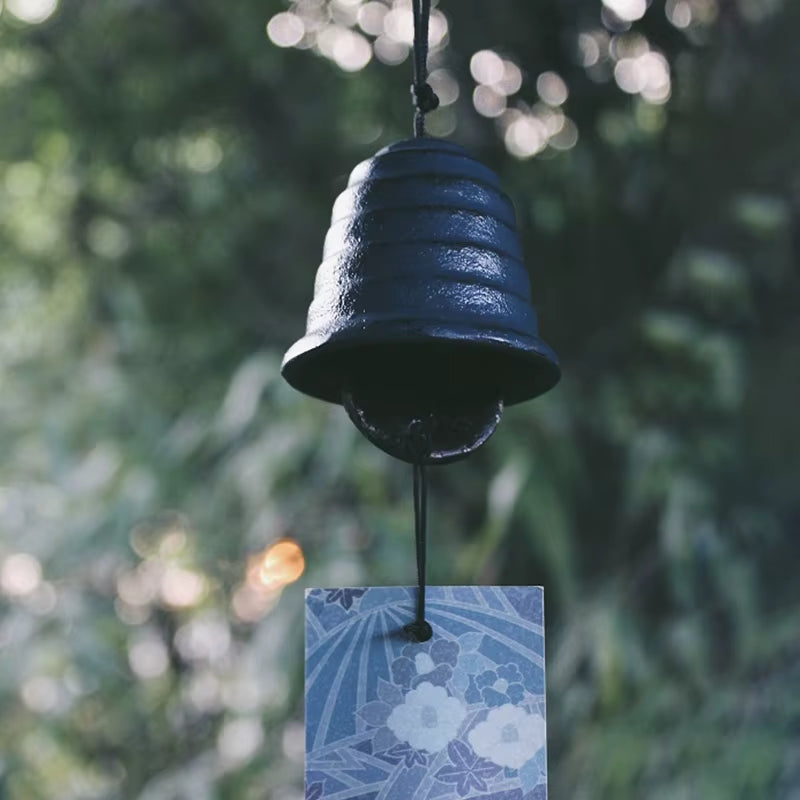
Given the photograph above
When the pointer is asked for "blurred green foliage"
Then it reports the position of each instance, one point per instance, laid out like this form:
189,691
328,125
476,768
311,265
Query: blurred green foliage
166,176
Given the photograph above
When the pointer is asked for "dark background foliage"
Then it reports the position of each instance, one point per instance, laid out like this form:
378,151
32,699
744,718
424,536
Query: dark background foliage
166,178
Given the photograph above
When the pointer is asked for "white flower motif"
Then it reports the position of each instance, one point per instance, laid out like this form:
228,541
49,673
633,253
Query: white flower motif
424,664
509,736
428,718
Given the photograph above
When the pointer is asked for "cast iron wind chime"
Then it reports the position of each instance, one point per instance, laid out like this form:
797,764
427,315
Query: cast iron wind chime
422,324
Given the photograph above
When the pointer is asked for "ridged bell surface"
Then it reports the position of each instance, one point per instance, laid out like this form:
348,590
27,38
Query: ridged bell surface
422,313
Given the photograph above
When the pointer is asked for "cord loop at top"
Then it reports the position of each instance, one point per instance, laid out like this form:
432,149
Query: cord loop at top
425,98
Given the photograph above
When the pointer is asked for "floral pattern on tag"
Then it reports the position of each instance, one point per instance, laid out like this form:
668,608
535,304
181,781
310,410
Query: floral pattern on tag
461,717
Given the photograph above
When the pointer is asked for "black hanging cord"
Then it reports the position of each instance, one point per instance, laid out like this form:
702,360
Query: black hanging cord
425,98
420,629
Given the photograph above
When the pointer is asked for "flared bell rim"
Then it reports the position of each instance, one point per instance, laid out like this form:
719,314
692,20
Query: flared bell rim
523,365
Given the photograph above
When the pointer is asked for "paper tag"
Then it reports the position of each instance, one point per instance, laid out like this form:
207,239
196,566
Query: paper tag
460,716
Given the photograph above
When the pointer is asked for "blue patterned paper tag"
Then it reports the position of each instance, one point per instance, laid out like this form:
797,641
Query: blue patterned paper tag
460,716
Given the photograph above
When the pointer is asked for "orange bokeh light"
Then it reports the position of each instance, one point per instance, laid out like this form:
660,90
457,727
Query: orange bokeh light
280,564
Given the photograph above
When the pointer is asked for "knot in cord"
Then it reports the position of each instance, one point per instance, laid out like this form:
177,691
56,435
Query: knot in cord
425,98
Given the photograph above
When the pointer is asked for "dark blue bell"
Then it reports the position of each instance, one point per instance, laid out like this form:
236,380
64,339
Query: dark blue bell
422,323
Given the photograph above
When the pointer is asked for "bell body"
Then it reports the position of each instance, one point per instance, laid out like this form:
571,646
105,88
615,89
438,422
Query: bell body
422,322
